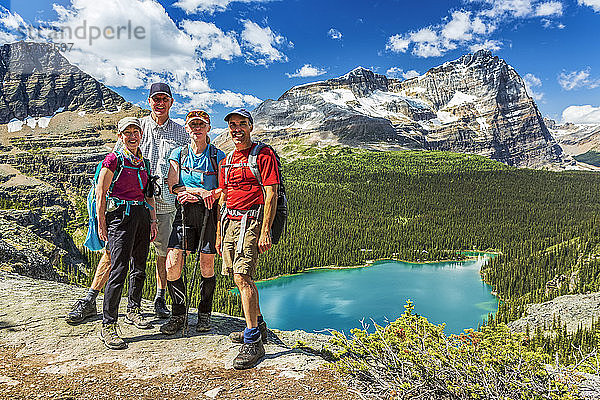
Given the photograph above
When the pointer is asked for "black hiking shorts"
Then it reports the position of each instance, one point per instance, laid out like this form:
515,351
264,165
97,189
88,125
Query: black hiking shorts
194,216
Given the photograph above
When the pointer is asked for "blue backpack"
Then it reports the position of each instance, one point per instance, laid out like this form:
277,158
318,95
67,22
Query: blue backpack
92,240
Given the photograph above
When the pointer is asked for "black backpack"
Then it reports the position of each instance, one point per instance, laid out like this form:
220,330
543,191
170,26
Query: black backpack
281,211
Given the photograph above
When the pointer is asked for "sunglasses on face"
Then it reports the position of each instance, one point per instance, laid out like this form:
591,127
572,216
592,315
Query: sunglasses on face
242,124
164,99
197,125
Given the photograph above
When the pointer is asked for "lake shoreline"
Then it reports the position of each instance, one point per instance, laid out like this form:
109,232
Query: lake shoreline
339,296
369,263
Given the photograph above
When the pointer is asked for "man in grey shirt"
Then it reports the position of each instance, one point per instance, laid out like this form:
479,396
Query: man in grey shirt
160,136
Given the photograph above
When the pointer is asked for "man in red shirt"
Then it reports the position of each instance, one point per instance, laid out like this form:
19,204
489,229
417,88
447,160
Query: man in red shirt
248,210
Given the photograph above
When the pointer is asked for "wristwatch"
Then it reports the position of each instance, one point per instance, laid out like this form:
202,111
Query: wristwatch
176,186
153,221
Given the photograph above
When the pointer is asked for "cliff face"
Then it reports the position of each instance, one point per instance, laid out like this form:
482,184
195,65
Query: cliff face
476,104
42,171
36,81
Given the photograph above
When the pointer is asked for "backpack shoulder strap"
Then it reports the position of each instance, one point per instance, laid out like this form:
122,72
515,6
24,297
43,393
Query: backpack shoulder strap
183,155
227,165
253,161
118,171
213,153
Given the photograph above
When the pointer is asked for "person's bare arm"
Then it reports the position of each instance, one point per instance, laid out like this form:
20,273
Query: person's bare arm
104,180
264,241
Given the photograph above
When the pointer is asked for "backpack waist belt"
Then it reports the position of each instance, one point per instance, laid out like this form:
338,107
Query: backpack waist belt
245,214
128,203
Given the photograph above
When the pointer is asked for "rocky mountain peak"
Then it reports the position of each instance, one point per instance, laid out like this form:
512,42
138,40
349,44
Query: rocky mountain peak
37,81
474,104
482,60
26,58
480,57
358,73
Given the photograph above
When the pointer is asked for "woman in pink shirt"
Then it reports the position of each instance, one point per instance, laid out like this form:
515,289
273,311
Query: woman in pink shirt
127,222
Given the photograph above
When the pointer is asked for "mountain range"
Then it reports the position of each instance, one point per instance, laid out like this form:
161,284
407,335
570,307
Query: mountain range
475,104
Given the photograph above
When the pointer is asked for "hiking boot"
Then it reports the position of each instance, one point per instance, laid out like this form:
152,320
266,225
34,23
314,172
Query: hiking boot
81,310
110,337
160,308
238,337
174,324
249,355
135,317
203,322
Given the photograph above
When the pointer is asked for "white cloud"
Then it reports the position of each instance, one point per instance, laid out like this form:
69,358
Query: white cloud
262,42
10,20
459,28
161,48
410,74
334,34
586,114
512,8
396,72
595,4
398,44
473,28
212,41
12,26
114,54
577,80
227,98
488,44
307,70
210,6
531,81
549,9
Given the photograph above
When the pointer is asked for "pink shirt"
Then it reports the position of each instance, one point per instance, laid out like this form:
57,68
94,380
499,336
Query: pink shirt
127,187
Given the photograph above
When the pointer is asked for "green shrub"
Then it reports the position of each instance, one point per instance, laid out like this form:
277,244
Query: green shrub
412,358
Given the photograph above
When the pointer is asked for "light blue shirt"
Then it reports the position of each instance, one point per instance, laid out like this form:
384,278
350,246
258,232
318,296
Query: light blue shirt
200,162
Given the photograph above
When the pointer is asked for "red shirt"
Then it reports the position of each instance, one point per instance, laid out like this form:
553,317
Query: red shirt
127,187
243,189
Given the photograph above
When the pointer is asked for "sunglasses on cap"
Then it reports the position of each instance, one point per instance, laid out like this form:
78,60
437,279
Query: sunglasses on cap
203,115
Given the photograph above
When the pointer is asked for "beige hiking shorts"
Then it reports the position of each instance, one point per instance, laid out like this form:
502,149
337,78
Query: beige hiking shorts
164,226
245,261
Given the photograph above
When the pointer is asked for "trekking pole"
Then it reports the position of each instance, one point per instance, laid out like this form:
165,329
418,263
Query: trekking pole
184,271
193,282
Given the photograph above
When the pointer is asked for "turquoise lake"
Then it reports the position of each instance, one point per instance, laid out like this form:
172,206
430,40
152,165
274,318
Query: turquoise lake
450,292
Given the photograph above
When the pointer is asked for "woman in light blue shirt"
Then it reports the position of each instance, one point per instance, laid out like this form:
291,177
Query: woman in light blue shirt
193,178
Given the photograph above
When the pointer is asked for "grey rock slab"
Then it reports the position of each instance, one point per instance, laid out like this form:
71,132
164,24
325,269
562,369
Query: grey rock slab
32,320
573,310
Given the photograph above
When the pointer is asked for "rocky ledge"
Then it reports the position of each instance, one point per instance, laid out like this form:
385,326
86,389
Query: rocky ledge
35,335
574,310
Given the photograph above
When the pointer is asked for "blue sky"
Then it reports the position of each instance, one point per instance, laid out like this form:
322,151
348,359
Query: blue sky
220,54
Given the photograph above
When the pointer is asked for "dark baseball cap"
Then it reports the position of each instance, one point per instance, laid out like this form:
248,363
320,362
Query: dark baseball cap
240,111
160,88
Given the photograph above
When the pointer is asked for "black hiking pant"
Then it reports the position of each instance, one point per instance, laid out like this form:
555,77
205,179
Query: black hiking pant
128,242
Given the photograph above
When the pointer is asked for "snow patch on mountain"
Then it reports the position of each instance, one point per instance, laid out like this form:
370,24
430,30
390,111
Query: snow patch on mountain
460,98
15,125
